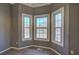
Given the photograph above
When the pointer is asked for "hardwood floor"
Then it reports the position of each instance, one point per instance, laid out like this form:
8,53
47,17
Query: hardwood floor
29,51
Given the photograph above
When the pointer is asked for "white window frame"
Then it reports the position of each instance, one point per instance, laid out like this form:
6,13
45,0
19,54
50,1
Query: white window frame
24,39
53,27
41,39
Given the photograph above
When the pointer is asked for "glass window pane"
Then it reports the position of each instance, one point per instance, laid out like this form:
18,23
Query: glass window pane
58,34
58,20
41,22
45,35
41,33
38,36
26,33
26,21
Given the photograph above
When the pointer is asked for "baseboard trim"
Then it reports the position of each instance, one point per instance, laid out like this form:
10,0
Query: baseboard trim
30,46
20,47
5,50
37,46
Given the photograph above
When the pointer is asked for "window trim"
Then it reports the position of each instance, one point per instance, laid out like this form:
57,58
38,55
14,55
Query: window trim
41,39
23,39
53,27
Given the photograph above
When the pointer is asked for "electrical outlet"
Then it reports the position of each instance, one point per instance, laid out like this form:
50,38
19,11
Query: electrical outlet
72,52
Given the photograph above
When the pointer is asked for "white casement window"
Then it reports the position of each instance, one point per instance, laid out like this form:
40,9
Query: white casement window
58,26
26,27
41,27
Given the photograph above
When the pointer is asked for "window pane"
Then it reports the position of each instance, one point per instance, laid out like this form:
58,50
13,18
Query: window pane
26,36
41,22
41,33
58,34
26,21
26,33
58,20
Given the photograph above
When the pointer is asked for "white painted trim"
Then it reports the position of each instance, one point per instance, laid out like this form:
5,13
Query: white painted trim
30,46
20,47
5,50
37,46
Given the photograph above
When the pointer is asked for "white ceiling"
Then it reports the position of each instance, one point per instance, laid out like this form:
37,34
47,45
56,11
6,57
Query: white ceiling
36,4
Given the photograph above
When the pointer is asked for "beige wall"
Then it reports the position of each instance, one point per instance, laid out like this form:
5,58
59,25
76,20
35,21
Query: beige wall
5,26
74,27
14,25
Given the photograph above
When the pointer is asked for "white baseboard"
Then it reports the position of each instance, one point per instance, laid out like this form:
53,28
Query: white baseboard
37,46
30,46
5,50
20,47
